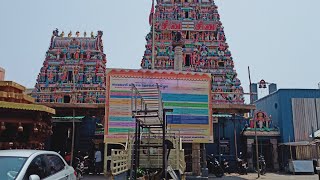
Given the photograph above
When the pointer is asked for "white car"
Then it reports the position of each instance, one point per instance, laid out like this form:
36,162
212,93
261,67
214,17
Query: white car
34,165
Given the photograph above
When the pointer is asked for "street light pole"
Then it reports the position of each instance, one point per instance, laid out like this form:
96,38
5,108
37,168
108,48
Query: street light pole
255,126
257,148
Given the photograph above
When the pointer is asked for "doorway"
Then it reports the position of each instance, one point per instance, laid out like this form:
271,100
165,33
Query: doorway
265,149
187,60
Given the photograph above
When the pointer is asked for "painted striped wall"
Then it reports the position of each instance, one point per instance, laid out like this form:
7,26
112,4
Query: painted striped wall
189,99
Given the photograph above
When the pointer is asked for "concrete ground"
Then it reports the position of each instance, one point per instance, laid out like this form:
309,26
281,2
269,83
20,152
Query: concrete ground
95,177
269,176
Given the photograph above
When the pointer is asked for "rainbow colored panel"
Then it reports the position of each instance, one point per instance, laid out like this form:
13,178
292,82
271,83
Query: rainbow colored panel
189,99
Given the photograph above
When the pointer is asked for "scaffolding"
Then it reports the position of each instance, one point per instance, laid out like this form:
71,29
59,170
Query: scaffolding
151,146
150,118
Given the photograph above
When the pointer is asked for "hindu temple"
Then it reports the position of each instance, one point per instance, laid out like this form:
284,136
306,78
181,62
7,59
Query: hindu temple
189,36
72,80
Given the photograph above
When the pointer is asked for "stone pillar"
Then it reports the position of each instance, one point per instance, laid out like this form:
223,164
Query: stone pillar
178,58
2,74
250,153
274,143
196,168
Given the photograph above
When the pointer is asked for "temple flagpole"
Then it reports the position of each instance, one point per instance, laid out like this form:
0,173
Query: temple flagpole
153,34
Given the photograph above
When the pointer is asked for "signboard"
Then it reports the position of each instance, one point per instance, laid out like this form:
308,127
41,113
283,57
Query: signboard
187,25
170,25
202,26
187,93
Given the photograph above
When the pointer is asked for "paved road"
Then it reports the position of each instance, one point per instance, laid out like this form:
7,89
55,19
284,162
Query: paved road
271,176
268,176
95,177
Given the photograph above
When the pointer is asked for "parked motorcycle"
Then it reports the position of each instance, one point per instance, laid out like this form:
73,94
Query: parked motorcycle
214,166
242,165
79,167
89,166
226,166
262,165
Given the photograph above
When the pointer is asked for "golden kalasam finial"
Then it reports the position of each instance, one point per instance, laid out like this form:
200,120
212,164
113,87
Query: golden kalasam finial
62,34
85,34
92,35
77,33
70,34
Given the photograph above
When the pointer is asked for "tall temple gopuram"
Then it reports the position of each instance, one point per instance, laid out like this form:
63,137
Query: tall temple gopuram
202,43
73,70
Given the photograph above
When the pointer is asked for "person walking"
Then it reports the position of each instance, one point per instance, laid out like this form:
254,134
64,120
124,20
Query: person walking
98,161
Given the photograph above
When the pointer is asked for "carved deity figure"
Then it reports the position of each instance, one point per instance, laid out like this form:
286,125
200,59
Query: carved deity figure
62,34
261,119
77,54
58,54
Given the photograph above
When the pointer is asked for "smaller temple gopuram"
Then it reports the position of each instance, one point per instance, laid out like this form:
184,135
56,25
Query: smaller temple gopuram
23,124
72,81
267,136
73,70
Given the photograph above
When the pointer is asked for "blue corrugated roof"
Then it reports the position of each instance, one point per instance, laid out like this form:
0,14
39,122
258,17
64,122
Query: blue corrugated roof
296,93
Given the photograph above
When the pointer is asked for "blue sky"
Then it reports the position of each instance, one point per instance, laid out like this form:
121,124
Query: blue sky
278,39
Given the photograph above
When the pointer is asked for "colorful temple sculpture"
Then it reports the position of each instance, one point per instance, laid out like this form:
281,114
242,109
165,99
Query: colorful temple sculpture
268,134
73,70
72,81
192,30
23,124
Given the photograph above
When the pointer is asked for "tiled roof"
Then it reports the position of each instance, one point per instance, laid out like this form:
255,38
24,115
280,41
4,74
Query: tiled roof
27,107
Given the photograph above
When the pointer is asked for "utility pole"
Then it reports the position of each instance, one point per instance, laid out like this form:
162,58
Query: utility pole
255,126
72,141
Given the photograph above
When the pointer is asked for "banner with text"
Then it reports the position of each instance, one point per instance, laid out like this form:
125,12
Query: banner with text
187,95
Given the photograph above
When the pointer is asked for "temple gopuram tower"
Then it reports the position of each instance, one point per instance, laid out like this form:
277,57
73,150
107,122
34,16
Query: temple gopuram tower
72,81
196,25
73,70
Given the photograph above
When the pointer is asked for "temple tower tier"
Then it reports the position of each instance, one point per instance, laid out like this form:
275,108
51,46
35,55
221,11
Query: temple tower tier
204,45
73,70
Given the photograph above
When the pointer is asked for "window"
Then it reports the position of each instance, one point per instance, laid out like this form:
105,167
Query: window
38,167
221,64
188,35
70,76
66,99
224,145
187,60
11,166
55,163
186,14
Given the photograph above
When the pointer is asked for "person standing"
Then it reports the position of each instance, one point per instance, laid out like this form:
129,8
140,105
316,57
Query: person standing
68,157
98,161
